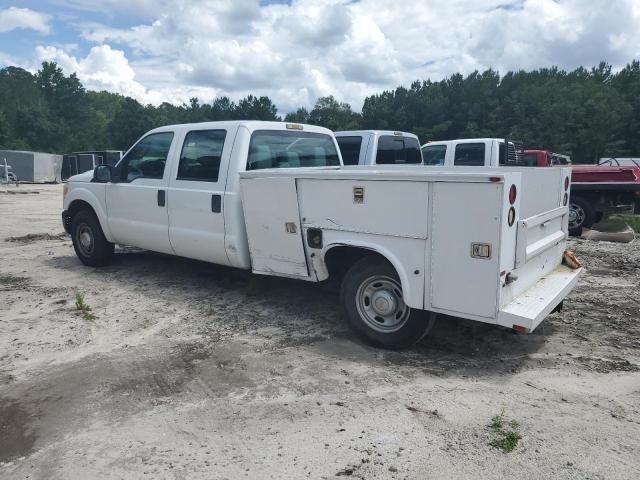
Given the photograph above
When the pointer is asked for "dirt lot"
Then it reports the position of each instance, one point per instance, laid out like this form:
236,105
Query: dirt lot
194,371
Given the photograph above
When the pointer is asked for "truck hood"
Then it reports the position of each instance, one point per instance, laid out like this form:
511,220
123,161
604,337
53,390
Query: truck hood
602,173
85,177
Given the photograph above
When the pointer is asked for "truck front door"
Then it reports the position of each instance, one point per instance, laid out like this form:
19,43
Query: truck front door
197,193
137,204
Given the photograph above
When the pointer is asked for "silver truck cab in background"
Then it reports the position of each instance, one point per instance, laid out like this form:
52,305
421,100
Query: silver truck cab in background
378,147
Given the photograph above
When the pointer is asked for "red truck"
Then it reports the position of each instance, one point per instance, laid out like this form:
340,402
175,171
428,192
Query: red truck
596,190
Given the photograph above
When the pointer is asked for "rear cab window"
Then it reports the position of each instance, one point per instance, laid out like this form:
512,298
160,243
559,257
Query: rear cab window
469,154
398,150
350,149
434,154
291,149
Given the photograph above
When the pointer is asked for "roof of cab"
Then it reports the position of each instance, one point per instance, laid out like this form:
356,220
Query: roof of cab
251,125
346,133
462,140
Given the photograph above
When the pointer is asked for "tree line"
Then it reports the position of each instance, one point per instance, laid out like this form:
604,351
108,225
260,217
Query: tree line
586,113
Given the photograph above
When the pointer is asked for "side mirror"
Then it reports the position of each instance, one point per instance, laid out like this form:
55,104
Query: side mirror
104,174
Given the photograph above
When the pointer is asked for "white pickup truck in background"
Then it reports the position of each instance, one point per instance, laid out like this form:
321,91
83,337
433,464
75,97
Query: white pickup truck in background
406,242
470,152
378,147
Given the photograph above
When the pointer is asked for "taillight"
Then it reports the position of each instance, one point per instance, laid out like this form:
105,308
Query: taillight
512,194
565,199
566,183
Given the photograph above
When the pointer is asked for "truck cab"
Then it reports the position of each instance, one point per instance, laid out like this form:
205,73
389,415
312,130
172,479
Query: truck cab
379,147
176,191
471,152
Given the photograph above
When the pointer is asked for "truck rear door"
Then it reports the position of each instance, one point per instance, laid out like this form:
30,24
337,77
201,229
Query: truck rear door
196,194
465,216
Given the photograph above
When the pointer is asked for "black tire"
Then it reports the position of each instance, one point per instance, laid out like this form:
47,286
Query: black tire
582,215
373,276
89,242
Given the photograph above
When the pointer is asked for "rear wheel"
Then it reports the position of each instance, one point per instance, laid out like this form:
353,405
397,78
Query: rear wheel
581,215
89,242
373,303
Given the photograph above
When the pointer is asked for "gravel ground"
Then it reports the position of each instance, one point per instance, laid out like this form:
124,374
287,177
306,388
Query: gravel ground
195,371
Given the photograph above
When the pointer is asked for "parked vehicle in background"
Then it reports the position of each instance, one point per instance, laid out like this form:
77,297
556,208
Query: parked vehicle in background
596,192
403,241
619,162
472,152
378,147
6,174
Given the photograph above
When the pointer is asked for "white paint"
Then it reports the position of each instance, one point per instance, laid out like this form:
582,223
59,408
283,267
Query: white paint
424,221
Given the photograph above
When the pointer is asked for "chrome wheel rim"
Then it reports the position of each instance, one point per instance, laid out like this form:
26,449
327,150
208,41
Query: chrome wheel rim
576,215
84,239
380,304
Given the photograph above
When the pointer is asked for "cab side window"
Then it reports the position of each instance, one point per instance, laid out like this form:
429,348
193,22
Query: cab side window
469,154
434,154
398,150
147,158
350,149
201,155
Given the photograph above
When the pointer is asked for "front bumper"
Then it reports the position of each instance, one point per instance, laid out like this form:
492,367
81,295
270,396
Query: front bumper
531,307
66,221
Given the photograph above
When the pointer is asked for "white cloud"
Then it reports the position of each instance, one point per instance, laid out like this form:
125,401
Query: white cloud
297,52
13,18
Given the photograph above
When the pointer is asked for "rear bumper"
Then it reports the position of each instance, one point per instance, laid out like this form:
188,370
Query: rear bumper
530,308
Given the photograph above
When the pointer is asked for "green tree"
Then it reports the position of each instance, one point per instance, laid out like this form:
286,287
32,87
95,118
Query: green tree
330,113
129,124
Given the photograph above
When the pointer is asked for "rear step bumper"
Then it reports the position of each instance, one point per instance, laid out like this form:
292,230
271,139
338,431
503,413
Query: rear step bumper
530,308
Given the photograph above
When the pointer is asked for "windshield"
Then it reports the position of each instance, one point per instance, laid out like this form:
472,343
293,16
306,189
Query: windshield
291,149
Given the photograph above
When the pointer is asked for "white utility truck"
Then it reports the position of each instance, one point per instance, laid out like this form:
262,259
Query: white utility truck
378,147
406,242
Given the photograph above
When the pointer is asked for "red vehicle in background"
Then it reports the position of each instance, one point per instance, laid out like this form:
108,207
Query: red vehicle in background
597,191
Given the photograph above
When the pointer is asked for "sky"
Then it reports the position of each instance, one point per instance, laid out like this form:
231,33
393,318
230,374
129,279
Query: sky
298,50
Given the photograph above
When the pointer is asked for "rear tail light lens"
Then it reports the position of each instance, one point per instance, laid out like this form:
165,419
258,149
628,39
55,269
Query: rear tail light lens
513,194
566,183
511,216
565,199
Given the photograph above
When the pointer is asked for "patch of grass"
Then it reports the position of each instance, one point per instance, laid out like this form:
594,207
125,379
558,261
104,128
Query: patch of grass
11,280
506,434
36,237
632,220
83,308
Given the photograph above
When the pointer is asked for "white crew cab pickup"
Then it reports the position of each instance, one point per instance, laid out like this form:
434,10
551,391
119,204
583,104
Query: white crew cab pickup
470,152
378,147
406,242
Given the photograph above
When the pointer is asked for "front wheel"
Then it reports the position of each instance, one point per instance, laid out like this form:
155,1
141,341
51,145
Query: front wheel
89,242
373,303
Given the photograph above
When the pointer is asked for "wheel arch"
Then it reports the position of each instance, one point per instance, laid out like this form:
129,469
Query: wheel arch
87,200
337,258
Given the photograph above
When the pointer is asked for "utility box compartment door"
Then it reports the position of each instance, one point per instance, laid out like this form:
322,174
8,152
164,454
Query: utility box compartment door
273,228
465,247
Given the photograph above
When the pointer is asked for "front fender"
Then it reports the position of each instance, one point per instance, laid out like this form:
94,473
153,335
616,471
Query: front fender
94,194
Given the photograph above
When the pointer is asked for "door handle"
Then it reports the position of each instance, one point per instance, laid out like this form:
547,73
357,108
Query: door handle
162,198
216,203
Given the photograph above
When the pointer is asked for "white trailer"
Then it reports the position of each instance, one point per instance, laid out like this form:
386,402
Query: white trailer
406,243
